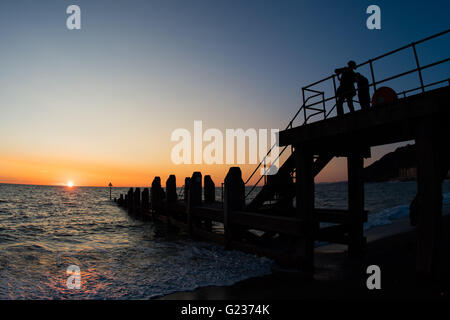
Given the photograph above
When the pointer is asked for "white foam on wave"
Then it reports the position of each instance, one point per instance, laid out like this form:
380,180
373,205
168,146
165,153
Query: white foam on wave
202,264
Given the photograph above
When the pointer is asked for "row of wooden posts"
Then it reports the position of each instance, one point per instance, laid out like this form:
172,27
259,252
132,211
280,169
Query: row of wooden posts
150,200
195,214
196,210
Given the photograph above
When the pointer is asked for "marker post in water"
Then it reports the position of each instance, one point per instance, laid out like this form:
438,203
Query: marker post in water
110,191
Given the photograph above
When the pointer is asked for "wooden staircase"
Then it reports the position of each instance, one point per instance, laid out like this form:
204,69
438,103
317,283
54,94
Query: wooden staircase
282,183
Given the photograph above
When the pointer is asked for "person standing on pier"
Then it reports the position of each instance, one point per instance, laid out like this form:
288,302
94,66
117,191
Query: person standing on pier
346,90
363,91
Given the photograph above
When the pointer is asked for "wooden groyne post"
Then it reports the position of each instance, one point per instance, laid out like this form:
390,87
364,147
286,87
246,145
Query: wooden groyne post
171,196
145,206
171,189
121,200
187,182
137,201
234,199
130,200
209,194
194,197
156,195
209,189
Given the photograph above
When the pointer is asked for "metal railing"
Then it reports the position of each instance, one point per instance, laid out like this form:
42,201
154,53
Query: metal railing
374,83
319,107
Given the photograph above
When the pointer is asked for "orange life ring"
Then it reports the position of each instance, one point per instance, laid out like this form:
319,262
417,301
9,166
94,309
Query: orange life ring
384,95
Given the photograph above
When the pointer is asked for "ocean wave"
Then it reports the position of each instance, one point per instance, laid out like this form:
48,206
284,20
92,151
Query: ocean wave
387,216
120,257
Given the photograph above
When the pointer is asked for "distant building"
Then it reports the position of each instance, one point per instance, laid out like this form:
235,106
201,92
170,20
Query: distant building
407,173
411,173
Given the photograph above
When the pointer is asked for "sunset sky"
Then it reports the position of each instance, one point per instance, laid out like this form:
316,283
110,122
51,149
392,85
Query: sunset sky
98,105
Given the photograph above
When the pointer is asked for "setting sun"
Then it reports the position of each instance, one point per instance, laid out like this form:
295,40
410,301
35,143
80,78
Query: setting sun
70,184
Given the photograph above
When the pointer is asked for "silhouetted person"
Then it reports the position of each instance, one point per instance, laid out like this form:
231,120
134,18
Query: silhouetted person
363,91
346,90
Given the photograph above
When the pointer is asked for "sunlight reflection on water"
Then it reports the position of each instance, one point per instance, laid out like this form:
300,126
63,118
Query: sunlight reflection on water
43,230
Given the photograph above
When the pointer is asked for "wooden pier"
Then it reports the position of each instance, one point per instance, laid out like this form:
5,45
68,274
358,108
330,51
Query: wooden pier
422,118
272,225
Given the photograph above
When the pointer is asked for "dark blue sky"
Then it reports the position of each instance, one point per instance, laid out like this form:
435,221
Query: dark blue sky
163,64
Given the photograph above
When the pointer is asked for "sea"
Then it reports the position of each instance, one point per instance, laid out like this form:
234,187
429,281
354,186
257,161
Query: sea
46,230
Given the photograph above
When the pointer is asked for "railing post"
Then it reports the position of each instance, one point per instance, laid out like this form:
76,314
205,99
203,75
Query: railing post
334,87
418,66
373,76
324,109
304,115
304,106
290,127
265,175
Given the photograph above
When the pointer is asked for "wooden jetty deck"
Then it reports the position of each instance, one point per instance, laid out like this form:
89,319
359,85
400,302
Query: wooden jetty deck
271,225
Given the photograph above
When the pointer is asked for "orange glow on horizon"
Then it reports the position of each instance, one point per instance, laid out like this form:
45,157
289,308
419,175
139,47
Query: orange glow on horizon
42,171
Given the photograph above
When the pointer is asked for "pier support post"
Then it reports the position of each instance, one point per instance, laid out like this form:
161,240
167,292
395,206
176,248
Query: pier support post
355,166
234,199
304,188
429,192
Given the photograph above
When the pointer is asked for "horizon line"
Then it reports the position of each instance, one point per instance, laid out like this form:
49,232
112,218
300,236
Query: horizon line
106,186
